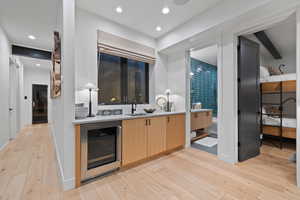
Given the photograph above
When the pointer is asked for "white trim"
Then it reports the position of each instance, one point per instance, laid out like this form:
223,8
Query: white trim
61,172
226,158
187,99
220,114
4,145
69,184
298,96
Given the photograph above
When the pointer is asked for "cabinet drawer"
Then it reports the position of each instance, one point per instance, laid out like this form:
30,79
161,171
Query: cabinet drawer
201,120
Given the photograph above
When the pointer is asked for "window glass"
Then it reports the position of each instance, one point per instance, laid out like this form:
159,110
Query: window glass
122,80
109,79
137,85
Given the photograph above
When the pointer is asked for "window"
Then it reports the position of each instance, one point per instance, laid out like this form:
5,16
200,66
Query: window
122,80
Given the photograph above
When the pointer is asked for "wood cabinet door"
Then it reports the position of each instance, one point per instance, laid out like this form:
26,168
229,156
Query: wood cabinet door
134,141
200,120
175,131
156,131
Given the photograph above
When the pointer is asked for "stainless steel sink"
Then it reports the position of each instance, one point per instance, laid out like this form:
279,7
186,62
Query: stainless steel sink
137,114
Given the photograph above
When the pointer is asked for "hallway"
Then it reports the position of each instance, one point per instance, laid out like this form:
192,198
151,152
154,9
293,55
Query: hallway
29,172
28,167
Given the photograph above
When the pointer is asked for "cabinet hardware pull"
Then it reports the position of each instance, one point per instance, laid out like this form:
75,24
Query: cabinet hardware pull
149,122
146,122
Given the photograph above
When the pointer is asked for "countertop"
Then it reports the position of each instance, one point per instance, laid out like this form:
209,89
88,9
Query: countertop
200,110
122,117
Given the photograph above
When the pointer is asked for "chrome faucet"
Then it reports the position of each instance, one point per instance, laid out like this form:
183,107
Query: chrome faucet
133,108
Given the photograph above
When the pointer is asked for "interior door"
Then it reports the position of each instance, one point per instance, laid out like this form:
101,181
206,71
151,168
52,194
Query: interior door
39,104
13,89
248,99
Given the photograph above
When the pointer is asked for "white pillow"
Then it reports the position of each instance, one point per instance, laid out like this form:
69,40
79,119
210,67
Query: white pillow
264,72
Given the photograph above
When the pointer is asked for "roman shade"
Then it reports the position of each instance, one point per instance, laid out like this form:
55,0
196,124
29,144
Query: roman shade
115,45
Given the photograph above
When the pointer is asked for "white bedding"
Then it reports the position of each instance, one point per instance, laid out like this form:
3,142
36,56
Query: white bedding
277,78
286,122
265,76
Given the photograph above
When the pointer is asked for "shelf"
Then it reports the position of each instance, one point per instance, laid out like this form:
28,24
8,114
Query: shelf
200,136
271,103
274,114
276,126
283,92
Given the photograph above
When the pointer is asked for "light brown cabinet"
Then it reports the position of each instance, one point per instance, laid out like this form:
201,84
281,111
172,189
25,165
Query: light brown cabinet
175,131
156,132
148,137
134,141
200,120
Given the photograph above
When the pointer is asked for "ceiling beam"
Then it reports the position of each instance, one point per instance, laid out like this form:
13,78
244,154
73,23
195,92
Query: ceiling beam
32,53
265,40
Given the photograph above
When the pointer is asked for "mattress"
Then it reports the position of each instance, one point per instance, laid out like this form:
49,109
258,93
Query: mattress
286,122
278,78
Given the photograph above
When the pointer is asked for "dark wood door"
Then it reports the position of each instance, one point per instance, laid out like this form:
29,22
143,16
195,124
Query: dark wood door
248,99
39,104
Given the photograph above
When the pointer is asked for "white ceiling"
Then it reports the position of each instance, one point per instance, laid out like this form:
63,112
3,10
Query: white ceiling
208,55
283,36
20,18
145,15
31,62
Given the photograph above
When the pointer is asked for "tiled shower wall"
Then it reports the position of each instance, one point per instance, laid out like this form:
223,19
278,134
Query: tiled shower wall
204,85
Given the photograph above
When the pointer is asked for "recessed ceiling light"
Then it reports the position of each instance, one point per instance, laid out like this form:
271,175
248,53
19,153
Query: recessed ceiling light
165,10
119,9
38,64
32,37
158,28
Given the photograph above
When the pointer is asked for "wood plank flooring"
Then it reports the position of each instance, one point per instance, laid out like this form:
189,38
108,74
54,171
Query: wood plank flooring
28,170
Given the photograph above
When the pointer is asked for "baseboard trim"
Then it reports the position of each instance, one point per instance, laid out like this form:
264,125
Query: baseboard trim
227,158
66,183
57,154
69,184
4,145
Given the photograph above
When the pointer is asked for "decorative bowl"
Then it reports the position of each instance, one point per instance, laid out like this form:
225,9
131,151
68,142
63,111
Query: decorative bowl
149,110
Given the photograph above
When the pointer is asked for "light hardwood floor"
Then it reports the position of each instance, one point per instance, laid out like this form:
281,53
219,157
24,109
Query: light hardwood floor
28,170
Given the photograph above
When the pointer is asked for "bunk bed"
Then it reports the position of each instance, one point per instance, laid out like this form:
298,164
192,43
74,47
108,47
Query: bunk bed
274,123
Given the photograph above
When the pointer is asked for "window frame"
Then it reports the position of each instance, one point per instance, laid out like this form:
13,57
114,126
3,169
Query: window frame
123,81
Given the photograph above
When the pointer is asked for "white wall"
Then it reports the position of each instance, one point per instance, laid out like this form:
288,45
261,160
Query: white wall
4,87
87,25
63,106
289,59
176,80
34,75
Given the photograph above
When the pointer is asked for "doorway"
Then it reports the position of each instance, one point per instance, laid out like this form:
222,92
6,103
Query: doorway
267,93
204,98
14,109
39,104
